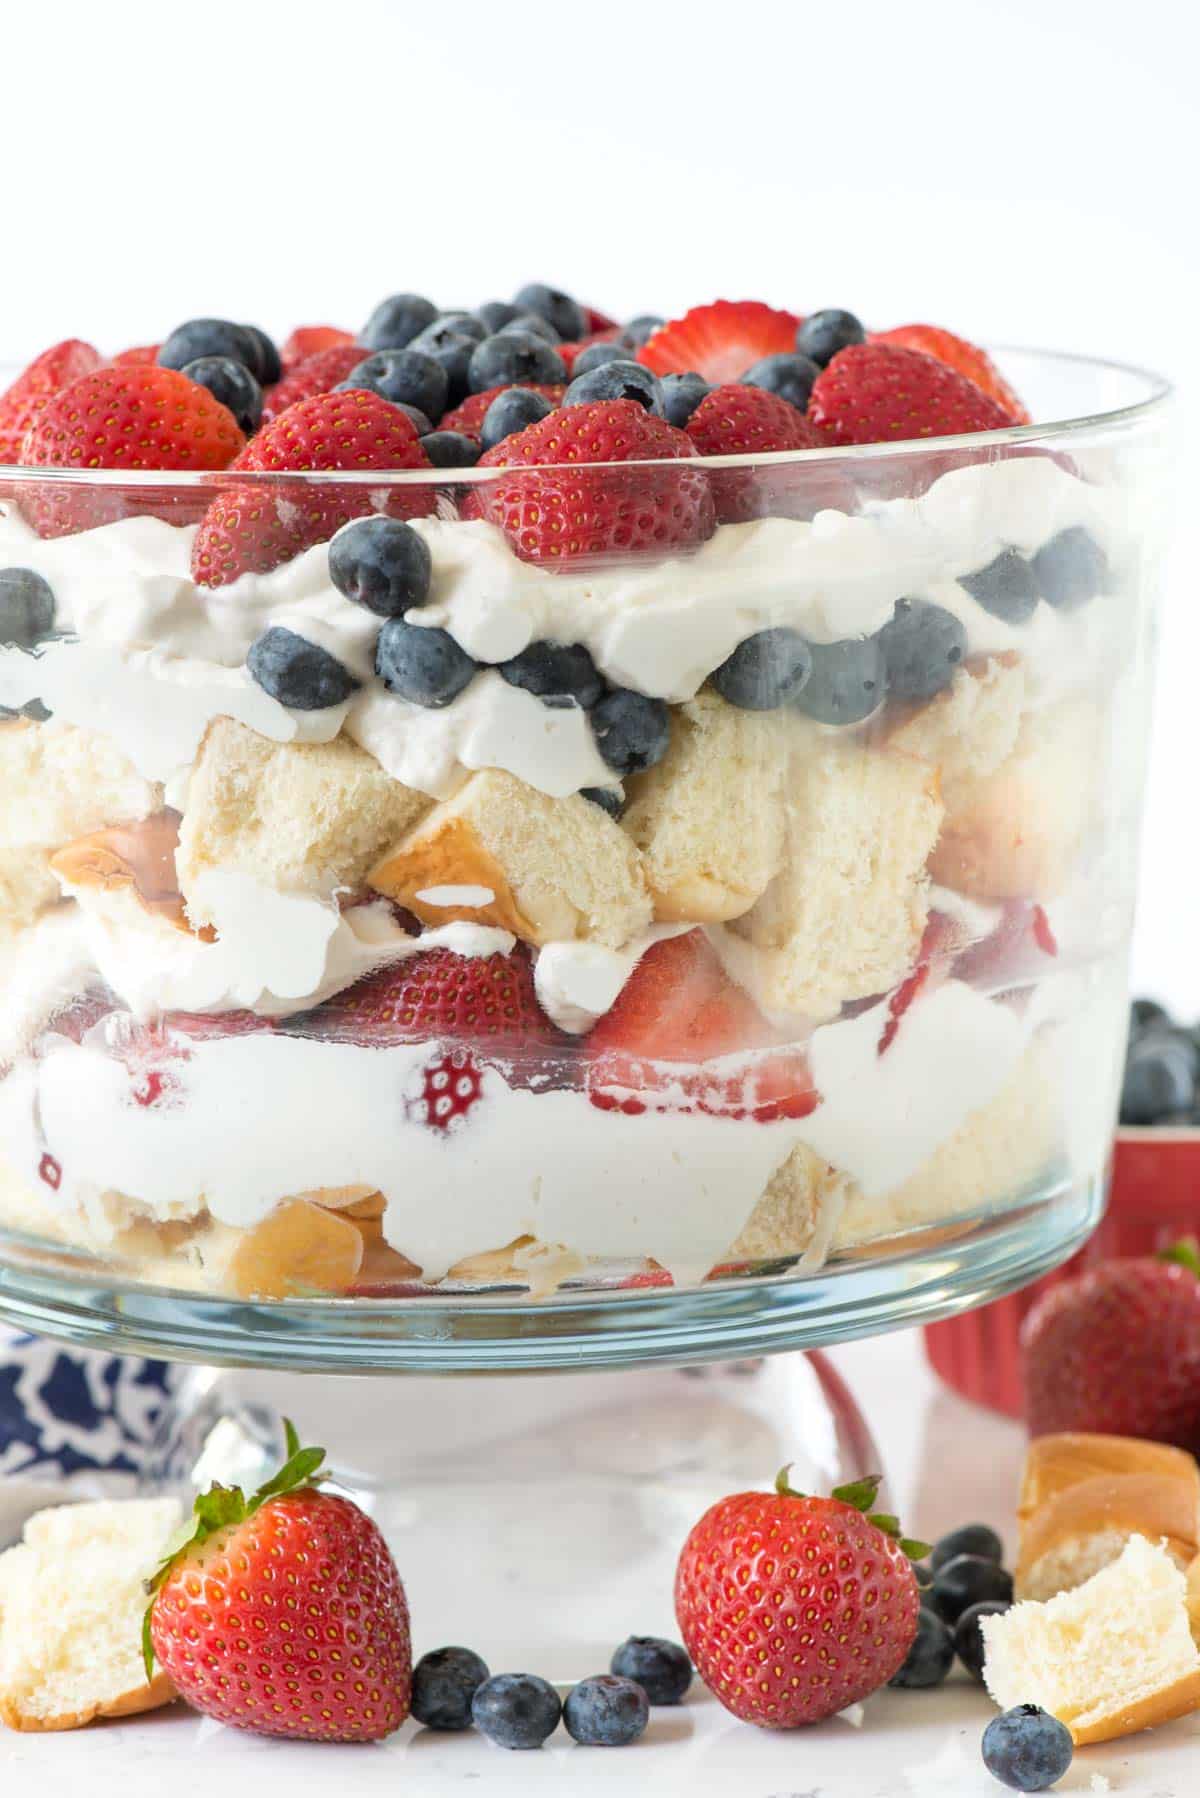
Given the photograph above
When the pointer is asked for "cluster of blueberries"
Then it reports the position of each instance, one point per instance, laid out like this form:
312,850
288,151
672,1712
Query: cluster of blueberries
915,654
964,1581
1162,1069
453,1689
383,564
26,621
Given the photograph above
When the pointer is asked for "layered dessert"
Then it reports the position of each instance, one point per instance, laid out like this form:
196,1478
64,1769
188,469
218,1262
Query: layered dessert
616,830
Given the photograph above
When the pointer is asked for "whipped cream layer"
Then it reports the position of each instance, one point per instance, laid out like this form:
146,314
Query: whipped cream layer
250,1120
157,656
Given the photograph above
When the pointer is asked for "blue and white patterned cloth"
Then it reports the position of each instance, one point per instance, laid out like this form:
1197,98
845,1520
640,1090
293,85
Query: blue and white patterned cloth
67,1412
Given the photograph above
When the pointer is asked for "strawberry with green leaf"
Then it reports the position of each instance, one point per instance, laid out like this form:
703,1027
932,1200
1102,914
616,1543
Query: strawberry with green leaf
794,1606
283,1613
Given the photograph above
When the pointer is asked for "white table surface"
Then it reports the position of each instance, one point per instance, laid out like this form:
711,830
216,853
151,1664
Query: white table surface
947,1462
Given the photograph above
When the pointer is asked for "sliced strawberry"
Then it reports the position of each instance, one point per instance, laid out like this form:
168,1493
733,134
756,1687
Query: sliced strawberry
880,393
249,529
319,373
683,1036
720,341
1015,952
134,418
967,358
142,355
468,416
155,1053
554,509
23,403
309,340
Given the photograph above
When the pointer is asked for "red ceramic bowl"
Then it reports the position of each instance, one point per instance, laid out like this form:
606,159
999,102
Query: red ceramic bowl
1155,1200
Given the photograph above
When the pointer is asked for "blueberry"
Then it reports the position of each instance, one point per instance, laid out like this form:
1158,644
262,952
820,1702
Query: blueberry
421,424
495,314
406,377
512,358
641,329
661,1668
382,564
534,325
424,665
765,670
923,1573
452,351
606,1711
596,355
564,313
209,337
512,411
1007,587
1142,1013
397,320
617,381
232,383
968,1580
1027,1749
266,367
632,732
968,1539
451,449
444,1683
847,682
1070,569
517,1710
823,334
1160,1076
790,376
559,673
922,645
298,673
26,609
681,394
968,1637
464,324
931,1656
609,800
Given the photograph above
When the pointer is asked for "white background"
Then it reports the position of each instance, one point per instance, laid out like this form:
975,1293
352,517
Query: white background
1019,170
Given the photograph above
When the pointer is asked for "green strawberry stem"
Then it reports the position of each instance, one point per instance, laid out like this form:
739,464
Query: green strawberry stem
1185,1253
861,1495
223,1506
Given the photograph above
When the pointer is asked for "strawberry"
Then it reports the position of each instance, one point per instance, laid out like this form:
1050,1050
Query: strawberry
319,373
1117,1350
1015,952
125,418
283,1613
29,395
599,321
254,529
967,358
142,355
308,340
154,1053
468,416
554,510
720,341
794,1607
880,393
735,420
683,1036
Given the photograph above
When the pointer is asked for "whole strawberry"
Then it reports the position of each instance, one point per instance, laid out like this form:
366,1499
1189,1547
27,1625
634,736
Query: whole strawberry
1116,1350
469,414
883,393
283,1613
22,404
960,354
319,372
794,1607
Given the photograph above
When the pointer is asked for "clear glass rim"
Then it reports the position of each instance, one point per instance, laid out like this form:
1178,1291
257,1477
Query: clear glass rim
1157,395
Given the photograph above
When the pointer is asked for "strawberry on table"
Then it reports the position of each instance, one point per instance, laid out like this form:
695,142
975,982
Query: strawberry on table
554,509
1116,1350
882,393
252,529
26,399
308,340
793,1607
683,1036
283,1613
720,341
957,353
319,373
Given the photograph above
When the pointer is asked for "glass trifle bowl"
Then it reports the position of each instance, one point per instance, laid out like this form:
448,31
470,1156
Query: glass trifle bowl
706,945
